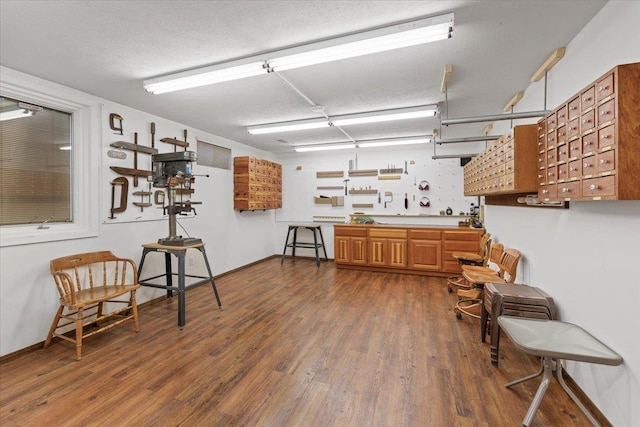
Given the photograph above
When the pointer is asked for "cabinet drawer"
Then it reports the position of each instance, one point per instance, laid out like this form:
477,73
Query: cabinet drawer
606,136
604,87
589,143
573,129
563,153
588,99
473,236
552,173
575,169
350,231
607,111
551,122
561,116
392,233
574,108
549,192
588,121
589,166
569,190
598,187
563,172
606,161
452,246
507,182
551,156
575,150
425,234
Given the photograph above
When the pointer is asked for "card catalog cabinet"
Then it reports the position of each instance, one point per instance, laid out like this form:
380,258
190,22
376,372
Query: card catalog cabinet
508,166
589,147
257,184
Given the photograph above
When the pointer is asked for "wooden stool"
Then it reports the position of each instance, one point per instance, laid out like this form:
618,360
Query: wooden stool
512,300
316,230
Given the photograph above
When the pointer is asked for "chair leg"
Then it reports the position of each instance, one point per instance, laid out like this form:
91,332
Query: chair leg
469,307
79,334
54,326
134,308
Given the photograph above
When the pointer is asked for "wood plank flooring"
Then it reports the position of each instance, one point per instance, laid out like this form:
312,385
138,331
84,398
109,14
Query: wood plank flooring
295,345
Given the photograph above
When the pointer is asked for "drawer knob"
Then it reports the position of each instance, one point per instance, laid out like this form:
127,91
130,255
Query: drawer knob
603,161
593,187
550,174
586,165
604,113
545,191
605,136
572,169
565,190
601,88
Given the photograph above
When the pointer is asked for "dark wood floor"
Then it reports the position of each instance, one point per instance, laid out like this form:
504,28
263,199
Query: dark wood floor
295,345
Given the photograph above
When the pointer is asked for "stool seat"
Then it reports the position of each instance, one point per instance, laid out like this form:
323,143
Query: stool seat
316,230
512,300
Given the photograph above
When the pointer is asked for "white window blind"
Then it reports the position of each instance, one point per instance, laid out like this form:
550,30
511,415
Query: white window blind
35,167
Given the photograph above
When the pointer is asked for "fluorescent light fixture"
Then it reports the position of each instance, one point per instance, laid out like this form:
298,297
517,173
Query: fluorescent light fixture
346,120
65,148
205,76
288,126
323,147
15,114
364,43
385,116
378,40
394,141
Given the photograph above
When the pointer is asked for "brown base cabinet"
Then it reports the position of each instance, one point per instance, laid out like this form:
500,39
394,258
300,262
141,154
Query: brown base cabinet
425,250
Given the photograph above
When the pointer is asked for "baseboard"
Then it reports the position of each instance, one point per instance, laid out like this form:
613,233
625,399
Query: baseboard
581,395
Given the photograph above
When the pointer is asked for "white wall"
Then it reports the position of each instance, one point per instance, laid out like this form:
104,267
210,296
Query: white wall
28,298
587,257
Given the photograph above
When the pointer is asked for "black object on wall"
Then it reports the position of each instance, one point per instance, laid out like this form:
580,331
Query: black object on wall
464,160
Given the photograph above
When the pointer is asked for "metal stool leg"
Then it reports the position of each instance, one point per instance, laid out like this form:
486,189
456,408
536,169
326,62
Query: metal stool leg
324,248
286,242
315,245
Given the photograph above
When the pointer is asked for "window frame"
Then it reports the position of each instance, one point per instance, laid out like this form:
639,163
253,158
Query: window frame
85,163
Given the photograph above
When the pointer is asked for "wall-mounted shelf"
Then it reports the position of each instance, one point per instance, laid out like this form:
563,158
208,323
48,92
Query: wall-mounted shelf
364,172
362,205
366,191
392,171
329,174
388,177
330,187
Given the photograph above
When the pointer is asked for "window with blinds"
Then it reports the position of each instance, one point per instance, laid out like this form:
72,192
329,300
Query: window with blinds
35,164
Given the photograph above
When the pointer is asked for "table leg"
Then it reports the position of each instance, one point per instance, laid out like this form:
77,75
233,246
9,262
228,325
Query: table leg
547,370
572,395
324,248
215,290
169,276
181,290
295,241
286,242
315,245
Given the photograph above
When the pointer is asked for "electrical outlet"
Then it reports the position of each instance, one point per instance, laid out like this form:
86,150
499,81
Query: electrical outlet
192,261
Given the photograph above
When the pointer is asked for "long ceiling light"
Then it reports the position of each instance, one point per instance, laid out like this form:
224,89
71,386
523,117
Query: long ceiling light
15,114
394,141
378,40
347,120
323,147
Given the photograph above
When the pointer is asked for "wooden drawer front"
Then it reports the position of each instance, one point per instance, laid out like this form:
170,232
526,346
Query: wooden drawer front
588,120
542,159
598,187
589,143
561,116
552,173
606,136
575,150
508,155
563,153
425,234
588,98
604,87
550,192
563,172
551,139
551,122
562,135
350,231
573,128
388,233
551,156
589,166
509,167
469,236
575,169
607,112
569,190
507,182
542,176
574,108
606,161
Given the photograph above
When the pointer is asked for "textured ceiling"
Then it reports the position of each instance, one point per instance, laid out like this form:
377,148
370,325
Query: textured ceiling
108,48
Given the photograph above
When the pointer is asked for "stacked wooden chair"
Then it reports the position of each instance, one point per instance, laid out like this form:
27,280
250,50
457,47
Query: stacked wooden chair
93,290
470,258
470,301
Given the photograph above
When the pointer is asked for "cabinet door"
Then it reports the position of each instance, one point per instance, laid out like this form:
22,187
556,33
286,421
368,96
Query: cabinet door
397,253
425,254
342,246
378,251
358,250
